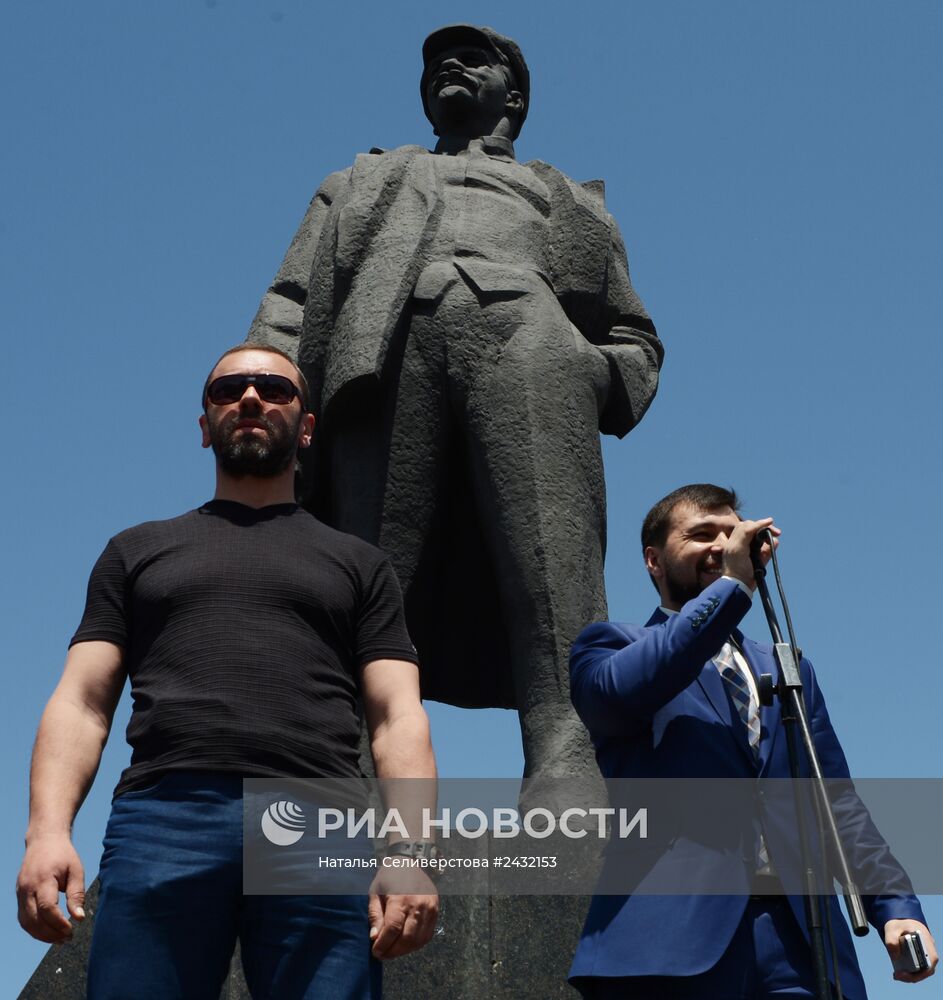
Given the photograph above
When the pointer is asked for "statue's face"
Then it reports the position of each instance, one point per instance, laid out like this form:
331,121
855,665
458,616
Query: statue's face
467,82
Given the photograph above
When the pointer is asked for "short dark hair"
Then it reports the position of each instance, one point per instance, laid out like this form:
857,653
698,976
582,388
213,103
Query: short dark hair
702,496
268,349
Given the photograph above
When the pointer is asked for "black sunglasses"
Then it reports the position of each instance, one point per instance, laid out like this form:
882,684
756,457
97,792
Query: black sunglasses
271,389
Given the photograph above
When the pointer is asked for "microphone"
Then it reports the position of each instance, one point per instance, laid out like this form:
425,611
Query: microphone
763,535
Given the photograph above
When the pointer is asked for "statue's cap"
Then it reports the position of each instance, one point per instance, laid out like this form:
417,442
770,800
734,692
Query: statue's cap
507,50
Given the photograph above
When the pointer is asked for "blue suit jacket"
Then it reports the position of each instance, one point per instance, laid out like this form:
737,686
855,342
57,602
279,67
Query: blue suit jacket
656,707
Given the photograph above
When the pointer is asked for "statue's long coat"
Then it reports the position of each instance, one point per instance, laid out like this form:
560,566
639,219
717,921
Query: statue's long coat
343,293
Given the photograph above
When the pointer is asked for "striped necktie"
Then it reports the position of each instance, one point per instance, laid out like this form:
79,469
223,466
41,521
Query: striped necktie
740,693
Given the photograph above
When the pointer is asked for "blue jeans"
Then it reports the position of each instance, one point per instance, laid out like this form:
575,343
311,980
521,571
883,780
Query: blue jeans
171,908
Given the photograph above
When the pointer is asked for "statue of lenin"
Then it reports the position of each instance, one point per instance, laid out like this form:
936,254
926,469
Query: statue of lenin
468,327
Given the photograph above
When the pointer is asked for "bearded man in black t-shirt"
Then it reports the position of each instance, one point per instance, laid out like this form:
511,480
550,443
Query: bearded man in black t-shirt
251,633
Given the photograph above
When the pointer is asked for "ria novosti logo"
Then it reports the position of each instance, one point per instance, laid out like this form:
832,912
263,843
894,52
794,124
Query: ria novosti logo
283,823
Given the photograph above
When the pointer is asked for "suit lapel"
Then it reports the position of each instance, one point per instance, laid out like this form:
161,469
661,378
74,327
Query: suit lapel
715,693
712,684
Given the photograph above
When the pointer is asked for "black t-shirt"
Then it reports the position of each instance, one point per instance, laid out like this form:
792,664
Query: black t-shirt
244,632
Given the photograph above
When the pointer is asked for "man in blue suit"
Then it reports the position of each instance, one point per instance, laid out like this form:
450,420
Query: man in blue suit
677,698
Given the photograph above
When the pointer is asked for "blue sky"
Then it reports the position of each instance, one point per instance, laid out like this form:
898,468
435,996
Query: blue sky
775,172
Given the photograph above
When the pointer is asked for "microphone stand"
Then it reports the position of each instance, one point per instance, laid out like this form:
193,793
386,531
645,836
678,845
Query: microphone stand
796,725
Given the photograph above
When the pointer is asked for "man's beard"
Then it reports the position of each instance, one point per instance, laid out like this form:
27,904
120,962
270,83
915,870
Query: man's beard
681,590
680,593
241,453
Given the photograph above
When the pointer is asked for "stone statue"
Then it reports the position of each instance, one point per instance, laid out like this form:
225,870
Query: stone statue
468,327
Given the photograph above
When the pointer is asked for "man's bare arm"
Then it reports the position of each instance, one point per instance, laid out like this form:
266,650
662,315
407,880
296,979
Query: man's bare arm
68,749
397,722
401,746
